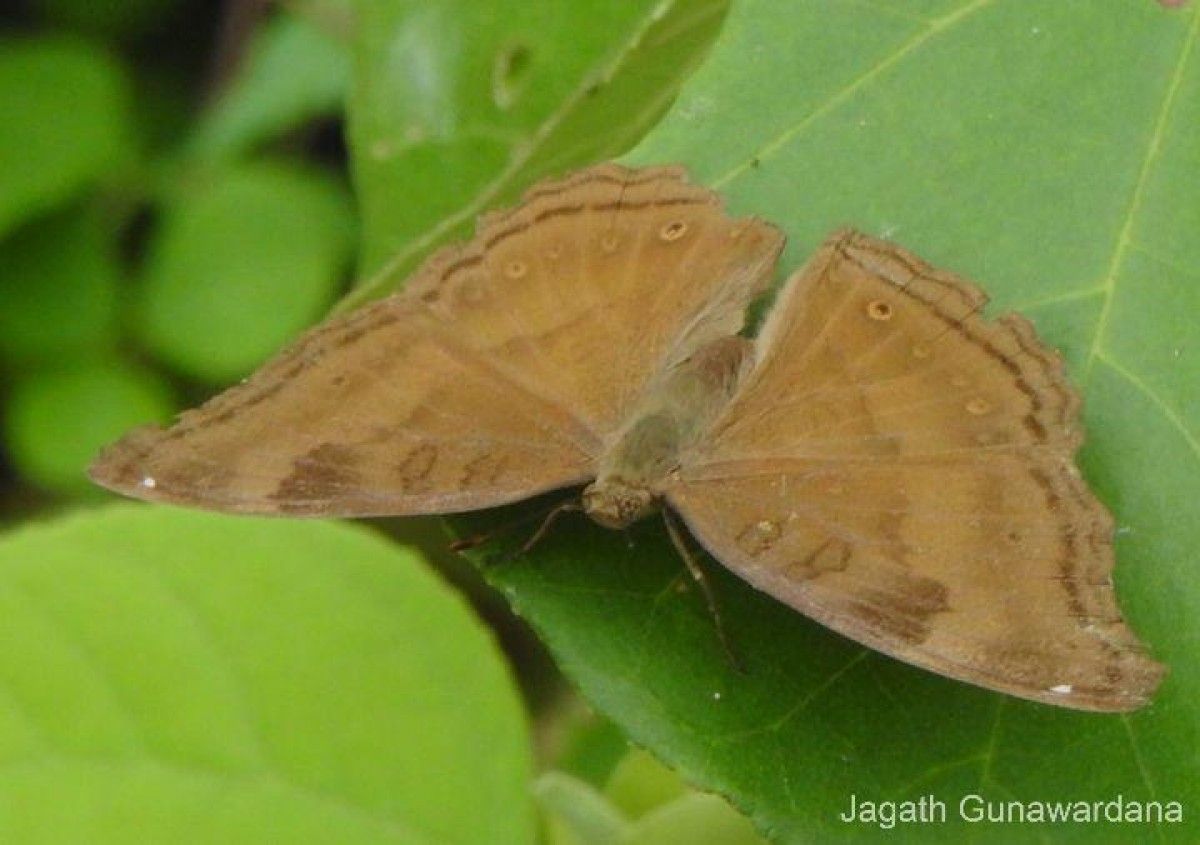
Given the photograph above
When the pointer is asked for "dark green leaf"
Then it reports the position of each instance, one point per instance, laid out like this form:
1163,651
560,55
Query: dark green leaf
124,19
58,288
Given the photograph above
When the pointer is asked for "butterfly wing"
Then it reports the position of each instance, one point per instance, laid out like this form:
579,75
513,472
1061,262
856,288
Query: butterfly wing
499,373
597,283
902,469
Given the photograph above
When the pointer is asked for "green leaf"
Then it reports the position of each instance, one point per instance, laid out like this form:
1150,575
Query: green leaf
1048,151
63,106
457,106
694,818
245,257
55,422
666,811
294,73
644,803
576,812
58,288
640,783
592,745
186,678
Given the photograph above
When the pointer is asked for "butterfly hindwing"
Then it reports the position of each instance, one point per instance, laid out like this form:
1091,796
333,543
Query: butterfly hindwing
902,469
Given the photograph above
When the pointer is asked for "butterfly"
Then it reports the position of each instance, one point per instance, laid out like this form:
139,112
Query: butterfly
880,456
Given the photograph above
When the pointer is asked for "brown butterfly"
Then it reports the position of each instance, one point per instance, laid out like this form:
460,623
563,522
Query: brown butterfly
881,457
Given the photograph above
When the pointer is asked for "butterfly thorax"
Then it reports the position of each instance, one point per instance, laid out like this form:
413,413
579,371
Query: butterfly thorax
673,413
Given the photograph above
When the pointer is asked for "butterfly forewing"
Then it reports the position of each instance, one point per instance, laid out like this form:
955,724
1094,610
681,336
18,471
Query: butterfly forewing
901,469
596,283
383,412
500,372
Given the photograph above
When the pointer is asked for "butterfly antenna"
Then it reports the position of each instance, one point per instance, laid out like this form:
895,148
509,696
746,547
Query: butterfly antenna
679,541
548,516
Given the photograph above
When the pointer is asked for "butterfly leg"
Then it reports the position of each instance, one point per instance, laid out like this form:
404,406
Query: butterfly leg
569,506
679,541
548,518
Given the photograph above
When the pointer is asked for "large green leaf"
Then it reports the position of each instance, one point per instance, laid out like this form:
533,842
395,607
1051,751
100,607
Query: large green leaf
1049,151
185,678
458,105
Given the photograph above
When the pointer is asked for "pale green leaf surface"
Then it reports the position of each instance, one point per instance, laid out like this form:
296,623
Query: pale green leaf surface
458,106
189,678
694,818
64,113
1049,152
244,258
576,812
664,810
639,783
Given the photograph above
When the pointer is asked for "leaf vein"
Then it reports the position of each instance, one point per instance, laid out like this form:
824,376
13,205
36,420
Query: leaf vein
932,29
1149,160
1177,422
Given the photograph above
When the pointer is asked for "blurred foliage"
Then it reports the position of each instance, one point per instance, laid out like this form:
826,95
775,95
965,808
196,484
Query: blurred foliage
174,208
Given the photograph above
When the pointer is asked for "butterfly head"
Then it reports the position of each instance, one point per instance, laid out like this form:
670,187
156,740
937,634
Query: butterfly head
615,503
